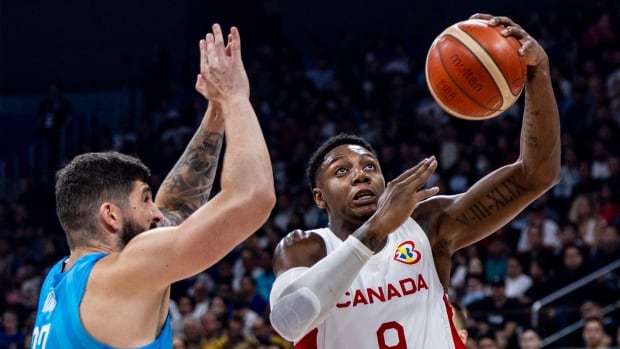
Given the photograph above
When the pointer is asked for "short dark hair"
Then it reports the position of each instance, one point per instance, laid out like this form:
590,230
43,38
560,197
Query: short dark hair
89,180
317,157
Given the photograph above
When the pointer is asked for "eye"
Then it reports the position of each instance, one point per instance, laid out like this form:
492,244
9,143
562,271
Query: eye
370,166
341,171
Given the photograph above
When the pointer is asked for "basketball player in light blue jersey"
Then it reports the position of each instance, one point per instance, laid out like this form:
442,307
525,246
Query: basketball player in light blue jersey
113,290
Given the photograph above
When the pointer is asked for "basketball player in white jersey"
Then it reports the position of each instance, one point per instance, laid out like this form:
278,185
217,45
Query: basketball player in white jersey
377,276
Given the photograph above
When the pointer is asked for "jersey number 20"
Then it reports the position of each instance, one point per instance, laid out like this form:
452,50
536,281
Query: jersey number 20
39,336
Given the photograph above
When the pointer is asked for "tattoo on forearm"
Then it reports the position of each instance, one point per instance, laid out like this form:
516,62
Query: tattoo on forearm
493,201
189,183
529,125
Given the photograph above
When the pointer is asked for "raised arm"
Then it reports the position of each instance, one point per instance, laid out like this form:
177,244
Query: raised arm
161,256
498,197
188,185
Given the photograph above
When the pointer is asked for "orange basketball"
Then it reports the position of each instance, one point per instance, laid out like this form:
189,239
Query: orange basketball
473,71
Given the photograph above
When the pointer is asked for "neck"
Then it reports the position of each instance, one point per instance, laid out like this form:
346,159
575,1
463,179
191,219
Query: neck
78,252
343,229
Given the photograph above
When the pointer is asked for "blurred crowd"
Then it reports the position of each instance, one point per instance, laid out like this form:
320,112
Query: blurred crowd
376,89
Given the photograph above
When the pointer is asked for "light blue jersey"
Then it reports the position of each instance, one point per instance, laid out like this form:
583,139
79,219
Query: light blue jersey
58,322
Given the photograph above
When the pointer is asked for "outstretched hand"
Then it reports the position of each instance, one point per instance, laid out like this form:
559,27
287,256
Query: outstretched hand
402,195
530,48
222,74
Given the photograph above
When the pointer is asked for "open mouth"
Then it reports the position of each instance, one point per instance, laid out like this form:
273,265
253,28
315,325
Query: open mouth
364,197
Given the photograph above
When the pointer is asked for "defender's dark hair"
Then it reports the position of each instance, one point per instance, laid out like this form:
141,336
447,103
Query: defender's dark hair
89,180
317,157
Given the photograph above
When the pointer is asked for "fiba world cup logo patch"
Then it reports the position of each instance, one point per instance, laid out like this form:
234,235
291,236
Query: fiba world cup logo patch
406,253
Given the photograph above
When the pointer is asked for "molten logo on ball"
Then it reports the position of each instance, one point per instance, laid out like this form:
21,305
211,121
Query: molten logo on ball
466,73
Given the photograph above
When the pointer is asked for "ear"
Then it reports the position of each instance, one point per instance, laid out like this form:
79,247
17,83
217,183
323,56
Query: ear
110,216
317,195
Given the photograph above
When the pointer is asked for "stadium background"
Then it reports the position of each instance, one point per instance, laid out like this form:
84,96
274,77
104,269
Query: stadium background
315,68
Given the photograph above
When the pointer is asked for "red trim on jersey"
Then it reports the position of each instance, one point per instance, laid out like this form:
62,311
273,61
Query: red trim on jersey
458,343
309,340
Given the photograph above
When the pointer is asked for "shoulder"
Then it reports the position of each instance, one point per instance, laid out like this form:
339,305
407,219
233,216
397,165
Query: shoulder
298,248
304,239
428,213
297,236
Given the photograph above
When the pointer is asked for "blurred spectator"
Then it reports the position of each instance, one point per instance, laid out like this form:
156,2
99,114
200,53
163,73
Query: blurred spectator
199,292
608,209
192,333
247,296
246,264
574,266
179,343
233,334
609,249
11,335
583,214
529,339
212,330
265,278
537,250
180,309
541,285
594,335
264,335
487,341
563,191
54,112
474,289
218,307
496,259
517,282
537,217
587,184
591,308
498,314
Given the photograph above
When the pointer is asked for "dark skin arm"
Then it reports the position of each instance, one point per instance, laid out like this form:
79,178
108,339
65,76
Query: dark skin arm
188,185
454,222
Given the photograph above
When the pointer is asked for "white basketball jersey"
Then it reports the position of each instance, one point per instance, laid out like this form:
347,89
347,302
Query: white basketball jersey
396,301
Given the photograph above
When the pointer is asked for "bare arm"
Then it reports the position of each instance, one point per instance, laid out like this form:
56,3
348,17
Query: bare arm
159,257
498,197
188,185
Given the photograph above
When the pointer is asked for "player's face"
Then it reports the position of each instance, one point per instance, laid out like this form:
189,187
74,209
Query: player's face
141,215
349,183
